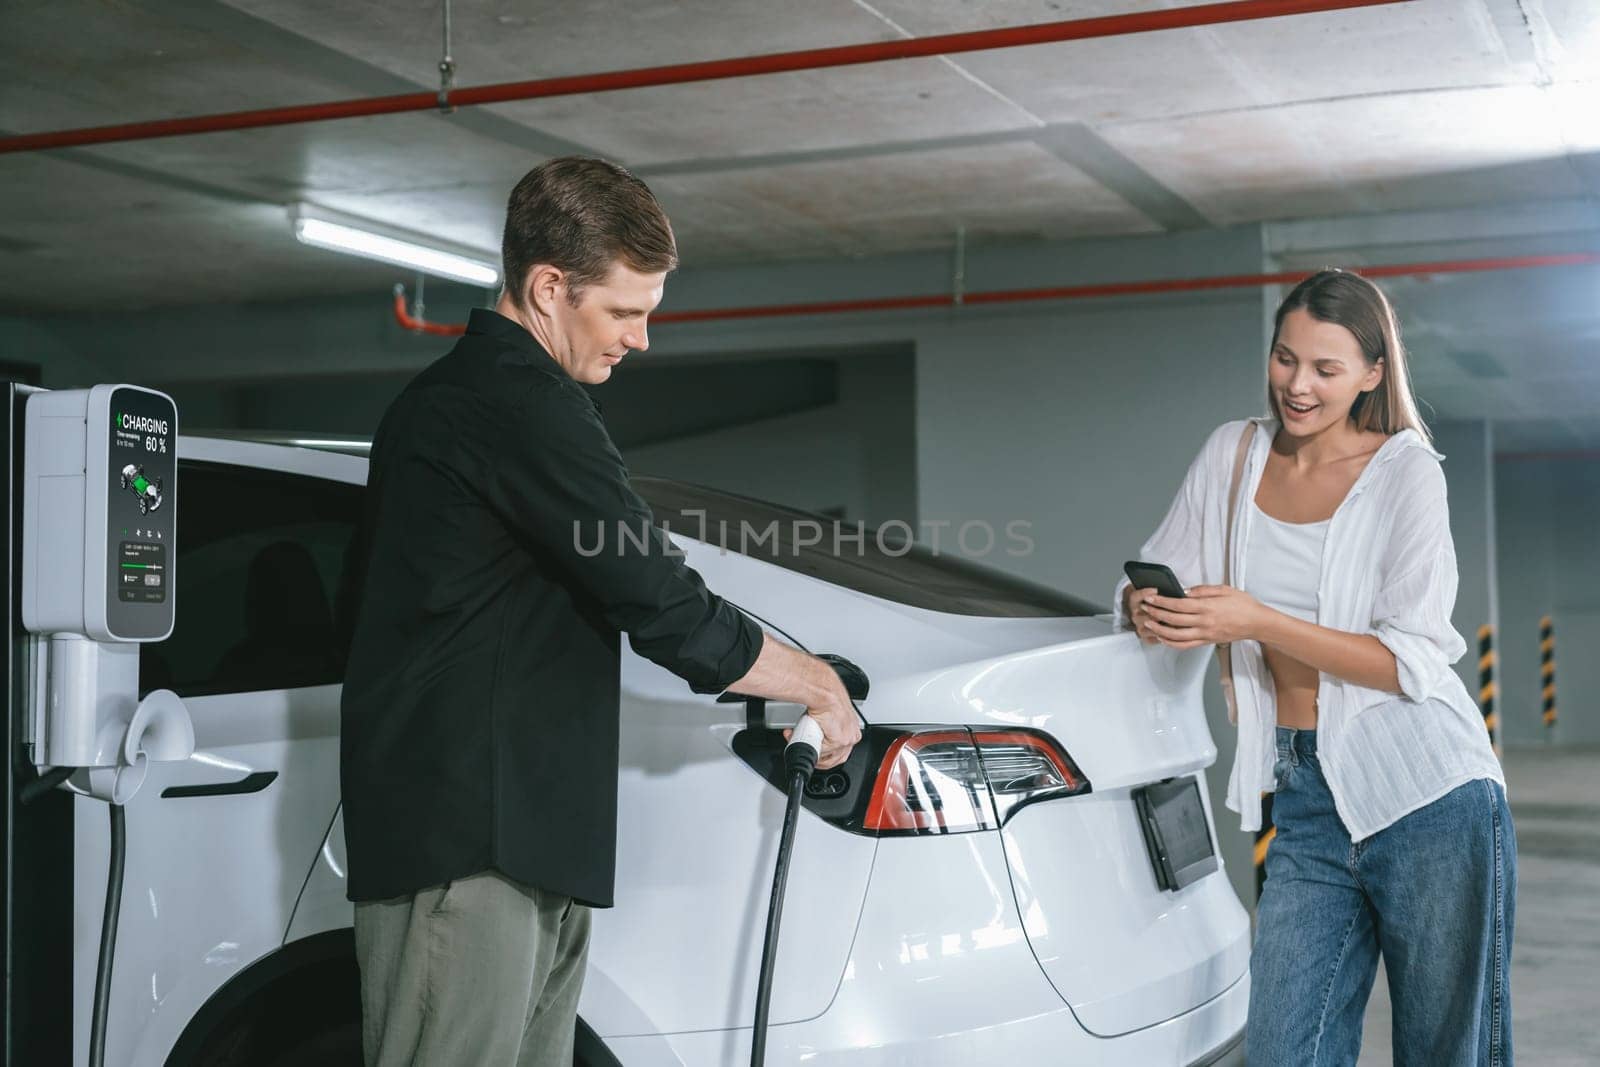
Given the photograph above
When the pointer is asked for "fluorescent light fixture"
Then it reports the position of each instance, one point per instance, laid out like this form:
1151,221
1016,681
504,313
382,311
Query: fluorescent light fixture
1576,103
372,240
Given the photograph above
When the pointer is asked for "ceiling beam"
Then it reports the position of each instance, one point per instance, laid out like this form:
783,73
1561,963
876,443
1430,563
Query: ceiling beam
1076,144
1071,142
300,53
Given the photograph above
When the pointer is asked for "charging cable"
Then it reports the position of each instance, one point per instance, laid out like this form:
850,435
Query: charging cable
108,935
799,760
108,924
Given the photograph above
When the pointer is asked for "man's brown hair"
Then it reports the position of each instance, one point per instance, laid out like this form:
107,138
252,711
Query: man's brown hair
581,216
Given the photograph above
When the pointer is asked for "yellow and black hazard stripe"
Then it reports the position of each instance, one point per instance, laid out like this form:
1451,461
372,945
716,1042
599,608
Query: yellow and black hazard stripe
1547,668
1486,683
1264,838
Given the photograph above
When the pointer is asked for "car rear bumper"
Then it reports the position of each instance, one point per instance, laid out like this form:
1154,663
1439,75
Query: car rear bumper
1208,1036
942,972
1122,952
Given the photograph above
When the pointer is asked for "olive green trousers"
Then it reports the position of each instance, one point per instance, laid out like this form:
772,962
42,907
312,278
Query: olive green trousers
479,972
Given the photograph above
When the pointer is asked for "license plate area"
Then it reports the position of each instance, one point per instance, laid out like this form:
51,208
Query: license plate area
1173,819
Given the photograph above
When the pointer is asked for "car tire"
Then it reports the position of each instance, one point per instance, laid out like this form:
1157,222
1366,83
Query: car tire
339,1046
299,1006
589,1051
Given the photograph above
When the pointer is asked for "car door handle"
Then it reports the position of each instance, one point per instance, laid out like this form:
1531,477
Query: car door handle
250,783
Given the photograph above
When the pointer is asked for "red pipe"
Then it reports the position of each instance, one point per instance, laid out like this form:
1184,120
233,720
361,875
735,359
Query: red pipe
681,73
416,325
1065,292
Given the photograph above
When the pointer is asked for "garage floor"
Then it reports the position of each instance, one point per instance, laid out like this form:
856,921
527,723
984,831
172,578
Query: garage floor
1555,959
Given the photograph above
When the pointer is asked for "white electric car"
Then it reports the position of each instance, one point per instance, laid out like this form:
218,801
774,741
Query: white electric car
1015,866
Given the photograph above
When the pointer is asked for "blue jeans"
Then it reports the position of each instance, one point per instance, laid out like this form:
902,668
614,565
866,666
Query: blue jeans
1434,894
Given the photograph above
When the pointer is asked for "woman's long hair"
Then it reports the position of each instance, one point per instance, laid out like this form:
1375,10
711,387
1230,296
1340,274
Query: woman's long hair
1349,300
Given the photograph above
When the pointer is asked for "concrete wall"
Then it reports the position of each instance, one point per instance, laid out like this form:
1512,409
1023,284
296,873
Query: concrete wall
856,457
1469,473
1081,423
60,362
1548,514
324,338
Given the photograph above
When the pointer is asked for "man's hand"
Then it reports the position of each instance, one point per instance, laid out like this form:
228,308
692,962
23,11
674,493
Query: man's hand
841,729
787,675
1209,615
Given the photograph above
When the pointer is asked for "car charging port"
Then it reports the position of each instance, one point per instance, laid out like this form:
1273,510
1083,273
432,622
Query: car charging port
828,785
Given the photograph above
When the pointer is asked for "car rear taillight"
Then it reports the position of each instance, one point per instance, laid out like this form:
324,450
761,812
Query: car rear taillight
930,783
953,781
1022,766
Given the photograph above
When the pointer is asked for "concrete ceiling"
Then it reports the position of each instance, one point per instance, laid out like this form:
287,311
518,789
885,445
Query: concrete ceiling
1427,106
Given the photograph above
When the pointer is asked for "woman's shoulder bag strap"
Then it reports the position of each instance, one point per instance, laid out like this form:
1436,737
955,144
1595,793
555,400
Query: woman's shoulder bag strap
1225,652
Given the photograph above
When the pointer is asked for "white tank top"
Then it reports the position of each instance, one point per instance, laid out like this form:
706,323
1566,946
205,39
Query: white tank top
1285,564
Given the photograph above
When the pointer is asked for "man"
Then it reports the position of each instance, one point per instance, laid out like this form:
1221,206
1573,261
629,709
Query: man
480,710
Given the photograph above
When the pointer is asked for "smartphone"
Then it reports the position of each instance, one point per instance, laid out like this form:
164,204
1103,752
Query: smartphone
1157,576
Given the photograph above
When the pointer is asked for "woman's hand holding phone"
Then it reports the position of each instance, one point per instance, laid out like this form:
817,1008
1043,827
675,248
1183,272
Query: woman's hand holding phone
1148,580
1208,615
1162,612
1137,603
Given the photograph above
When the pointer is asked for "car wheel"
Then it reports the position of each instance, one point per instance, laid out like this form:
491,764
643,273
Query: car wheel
339,1046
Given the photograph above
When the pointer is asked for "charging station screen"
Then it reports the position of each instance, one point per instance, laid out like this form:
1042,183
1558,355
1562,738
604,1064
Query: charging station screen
144,572
141,513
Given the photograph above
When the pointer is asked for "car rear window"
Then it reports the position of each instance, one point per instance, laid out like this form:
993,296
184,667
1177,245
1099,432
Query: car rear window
910,574
260,562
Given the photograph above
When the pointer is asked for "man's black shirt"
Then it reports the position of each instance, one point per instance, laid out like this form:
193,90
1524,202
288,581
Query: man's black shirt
480,711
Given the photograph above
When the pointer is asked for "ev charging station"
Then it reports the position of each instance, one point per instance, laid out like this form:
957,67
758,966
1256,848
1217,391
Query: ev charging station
99,526
98,523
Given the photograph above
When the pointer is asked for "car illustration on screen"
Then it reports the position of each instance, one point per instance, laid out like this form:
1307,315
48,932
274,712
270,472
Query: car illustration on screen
148,490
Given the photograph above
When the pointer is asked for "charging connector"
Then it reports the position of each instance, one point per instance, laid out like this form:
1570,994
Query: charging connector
804,748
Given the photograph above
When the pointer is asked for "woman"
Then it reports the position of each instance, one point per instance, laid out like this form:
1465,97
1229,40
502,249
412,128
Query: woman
1393,834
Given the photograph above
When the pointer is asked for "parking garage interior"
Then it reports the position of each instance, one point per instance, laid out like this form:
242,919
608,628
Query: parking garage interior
979,285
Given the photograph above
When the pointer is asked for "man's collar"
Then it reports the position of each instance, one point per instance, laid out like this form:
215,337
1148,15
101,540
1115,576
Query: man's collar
489,323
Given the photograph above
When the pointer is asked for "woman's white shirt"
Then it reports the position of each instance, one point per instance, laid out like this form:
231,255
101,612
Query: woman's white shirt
1388,569
1285,563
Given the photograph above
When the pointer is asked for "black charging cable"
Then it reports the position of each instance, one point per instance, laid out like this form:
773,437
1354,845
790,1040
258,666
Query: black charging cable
108,936
44,783
108,924
799,759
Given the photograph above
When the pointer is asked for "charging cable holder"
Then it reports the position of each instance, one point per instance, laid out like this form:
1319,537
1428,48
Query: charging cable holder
112,745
